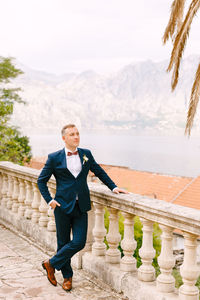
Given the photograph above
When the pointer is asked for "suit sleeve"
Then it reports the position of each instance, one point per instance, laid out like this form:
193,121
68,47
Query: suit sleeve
101,174
43,178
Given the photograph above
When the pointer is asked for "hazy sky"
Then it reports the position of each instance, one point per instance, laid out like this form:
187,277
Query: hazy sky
62,36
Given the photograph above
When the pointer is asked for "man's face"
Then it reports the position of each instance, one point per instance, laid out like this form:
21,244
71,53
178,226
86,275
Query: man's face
71,138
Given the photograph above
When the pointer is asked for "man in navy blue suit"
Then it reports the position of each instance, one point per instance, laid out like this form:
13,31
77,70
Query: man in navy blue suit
70,167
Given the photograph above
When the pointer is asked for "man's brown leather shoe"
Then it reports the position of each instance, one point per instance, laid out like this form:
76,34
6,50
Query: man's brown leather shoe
67,284
50,271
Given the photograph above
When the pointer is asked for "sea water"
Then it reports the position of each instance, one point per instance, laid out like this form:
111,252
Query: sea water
173,155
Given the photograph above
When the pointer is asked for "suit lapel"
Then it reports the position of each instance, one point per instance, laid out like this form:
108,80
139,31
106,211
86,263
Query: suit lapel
63,159
80,152
64,162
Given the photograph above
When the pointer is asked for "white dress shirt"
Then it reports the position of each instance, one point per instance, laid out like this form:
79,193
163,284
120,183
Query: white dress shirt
73,163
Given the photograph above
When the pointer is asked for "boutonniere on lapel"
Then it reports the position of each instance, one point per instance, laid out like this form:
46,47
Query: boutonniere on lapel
85,159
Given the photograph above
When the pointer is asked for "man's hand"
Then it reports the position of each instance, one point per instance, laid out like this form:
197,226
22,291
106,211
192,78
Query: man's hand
118,191
54,203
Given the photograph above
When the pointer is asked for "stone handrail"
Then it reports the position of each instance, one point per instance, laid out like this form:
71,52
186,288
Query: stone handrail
19,195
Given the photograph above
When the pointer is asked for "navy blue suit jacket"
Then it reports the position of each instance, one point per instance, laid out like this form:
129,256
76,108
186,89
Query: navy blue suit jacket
67,186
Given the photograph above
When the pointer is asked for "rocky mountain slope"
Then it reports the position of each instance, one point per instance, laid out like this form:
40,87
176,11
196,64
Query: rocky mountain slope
136,97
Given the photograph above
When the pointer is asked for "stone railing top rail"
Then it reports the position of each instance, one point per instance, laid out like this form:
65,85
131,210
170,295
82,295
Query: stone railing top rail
176,216
21,171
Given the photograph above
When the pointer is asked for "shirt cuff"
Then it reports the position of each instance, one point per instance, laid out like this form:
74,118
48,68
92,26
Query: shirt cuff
50,202
114,189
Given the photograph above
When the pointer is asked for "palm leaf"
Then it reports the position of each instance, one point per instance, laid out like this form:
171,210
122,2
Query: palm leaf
181,37
180,42
194,100
180,30
175,20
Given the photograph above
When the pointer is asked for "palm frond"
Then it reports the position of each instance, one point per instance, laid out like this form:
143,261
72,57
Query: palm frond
177,61
175,74
194,100
180,42
181,37
175,20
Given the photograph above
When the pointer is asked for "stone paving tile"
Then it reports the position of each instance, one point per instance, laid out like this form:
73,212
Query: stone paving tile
11,261
22,276
6,252
15,269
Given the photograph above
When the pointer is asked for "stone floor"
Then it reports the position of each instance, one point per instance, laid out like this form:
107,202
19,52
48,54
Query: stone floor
22,276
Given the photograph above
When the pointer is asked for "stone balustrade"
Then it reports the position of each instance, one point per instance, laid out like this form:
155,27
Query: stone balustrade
22,207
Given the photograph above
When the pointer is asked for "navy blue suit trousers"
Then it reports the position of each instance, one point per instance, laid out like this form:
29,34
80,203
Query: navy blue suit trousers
76,223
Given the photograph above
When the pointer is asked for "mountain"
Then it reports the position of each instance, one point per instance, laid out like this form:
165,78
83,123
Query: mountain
136,97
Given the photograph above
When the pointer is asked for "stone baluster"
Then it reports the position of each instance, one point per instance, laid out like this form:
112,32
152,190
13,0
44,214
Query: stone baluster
165,281
146,271
10,192
51,223
36,203
99,231
1,185
29,198
15,195
91,222
189,270
77,259
113,237
21,199
128,244
4,190
43,220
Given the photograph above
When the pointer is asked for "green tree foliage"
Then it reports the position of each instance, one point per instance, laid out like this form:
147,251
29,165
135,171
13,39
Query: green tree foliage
13,146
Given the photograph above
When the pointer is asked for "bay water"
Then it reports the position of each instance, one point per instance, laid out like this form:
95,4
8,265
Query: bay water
172,155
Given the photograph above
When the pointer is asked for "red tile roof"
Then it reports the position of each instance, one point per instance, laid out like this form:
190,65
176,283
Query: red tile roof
190,196
184,191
